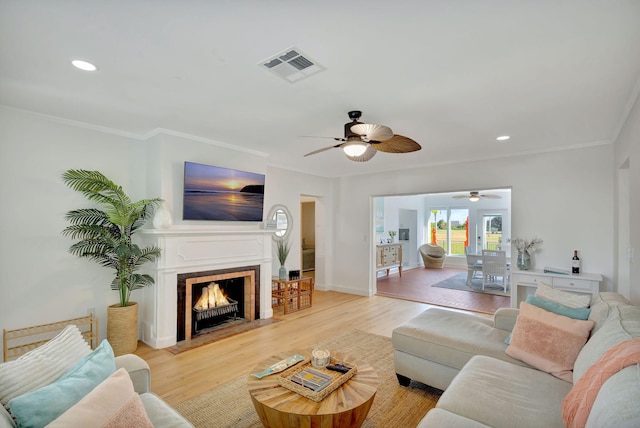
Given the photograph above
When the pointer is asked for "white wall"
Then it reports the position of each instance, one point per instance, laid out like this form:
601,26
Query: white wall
392,207
165,155
564,197
40,281
627,164
286,187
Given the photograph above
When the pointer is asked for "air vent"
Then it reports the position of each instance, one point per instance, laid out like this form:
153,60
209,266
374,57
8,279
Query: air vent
292,65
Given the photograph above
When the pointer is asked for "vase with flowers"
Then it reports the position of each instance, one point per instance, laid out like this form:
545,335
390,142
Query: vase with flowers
525,249
392,234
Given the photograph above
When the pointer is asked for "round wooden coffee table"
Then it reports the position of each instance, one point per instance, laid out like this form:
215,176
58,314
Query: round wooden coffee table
347,406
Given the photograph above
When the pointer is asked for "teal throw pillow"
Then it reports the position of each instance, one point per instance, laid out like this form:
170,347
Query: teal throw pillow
40,407
556,308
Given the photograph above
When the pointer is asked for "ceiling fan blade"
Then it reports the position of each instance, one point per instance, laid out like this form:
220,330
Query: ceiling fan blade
396,144
316,136
322,150
372,132
491,196
367,155
460,197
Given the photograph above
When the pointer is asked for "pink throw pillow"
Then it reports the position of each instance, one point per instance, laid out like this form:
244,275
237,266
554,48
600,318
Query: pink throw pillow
547,341
111,404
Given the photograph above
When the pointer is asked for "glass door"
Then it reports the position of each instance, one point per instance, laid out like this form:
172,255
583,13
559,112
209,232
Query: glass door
492,231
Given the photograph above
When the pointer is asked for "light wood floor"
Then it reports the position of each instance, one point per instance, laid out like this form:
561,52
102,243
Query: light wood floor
177,378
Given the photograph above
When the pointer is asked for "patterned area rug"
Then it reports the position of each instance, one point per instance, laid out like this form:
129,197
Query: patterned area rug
459,282
229,405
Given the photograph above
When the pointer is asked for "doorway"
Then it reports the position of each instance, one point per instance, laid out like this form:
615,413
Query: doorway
408,236
308,235
461,222
492,227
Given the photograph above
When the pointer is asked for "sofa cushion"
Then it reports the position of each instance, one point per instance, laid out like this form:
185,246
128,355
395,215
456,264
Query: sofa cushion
113,403
578,403
442,418
450,338
547,341
566,298
601,307
622,324
617,402
38,408
500,394
42,365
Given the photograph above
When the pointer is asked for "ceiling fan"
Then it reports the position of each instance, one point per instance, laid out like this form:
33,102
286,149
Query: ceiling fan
362,141
476,196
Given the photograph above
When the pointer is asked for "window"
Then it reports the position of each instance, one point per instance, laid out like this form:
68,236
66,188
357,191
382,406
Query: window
449,228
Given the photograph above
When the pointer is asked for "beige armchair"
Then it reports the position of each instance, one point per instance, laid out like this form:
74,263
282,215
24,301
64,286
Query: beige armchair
433,256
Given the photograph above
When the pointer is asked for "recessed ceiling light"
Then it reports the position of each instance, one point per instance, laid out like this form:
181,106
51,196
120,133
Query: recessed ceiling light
503,138
84,65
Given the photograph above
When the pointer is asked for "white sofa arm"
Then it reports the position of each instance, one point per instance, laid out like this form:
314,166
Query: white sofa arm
138,371
6,421
505,318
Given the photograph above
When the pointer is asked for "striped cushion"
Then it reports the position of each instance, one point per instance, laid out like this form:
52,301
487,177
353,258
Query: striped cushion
566,298
42,365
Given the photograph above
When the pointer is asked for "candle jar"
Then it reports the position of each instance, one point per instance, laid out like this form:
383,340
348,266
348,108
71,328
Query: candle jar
320,358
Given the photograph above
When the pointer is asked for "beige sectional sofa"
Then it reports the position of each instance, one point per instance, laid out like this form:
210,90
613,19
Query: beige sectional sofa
464,355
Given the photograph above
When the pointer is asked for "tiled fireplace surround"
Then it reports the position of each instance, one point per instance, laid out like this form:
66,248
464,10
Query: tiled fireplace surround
191,250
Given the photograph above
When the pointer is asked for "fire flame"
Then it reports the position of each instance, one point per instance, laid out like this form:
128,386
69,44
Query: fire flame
211,297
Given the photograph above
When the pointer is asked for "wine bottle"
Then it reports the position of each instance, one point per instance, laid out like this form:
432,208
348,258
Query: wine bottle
575,263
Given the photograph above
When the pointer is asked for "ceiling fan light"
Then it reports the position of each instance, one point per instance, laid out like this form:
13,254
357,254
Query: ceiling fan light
366,156
355,148
474,198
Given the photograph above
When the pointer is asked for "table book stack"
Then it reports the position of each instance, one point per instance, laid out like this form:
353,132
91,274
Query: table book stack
313,382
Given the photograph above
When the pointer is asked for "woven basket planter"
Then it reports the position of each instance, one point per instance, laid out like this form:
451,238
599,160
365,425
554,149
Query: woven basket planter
122,328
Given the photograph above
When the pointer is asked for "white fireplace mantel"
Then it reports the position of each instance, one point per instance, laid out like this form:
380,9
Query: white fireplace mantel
186,250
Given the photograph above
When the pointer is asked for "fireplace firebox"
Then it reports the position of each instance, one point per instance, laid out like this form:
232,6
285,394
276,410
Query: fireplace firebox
217,299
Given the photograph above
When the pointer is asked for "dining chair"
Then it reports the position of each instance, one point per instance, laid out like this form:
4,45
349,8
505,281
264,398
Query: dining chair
494,266
474,264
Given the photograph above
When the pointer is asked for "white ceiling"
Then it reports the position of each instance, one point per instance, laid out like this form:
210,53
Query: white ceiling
451,75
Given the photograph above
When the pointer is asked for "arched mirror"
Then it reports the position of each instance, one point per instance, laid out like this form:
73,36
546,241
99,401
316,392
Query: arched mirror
283,221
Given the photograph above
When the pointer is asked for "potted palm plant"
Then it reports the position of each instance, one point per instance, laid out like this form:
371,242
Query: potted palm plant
105,235
282,251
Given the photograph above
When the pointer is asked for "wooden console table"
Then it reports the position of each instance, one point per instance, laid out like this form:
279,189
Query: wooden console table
294,294
346,407
389,256
524,282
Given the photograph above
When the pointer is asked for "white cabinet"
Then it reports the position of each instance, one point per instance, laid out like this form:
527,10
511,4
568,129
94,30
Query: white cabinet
389,256
524,282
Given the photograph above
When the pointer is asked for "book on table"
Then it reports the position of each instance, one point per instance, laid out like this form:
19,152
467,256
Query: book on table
312,379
